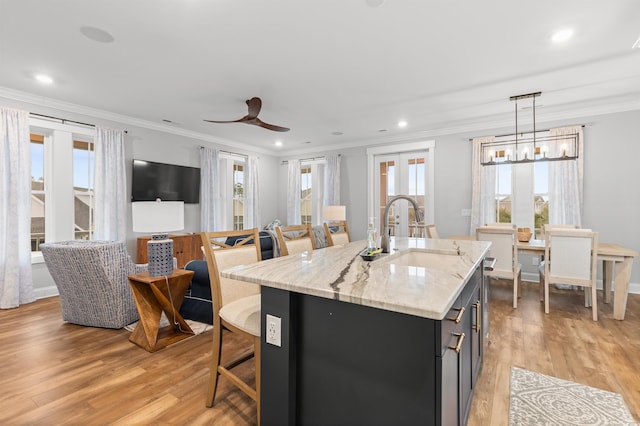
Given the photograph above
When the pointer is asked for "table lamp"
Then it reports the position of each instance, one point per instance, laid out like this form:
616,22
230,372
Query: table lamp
159,218
334,213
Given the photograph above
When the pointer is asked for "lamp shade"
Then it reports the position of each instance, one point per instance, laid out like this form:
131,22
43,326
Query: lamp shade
334,213
157,216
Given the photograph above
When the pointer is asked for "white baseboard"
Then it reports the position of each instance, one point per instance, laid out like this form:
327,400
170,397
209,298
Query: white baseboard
44,292
634,288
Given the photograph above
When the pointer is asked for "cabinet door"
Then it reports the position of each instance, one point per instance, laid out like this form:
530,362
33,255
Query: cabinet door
450,388
476,337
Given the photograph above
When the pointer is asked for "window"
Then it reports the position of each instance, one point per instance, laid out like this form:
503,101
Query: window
540,197
306,202
37,192
238,196
531,203
83,163
62,192
503,193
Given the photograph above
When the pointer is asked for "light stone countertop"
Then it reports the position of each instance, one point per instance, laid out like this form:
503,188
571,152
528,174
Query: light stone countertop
340,273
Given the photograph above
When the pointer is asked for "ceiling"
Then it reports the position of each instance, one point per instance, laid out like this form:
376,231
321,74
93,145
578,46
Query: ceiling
339,73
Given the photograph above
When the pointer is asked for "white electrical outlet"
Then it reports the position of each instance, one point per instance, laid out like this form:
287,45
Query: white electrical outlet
465,212
274,335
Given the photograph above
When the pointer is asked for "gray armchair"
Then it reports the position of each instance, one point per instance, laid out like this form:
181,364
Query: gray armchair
91,277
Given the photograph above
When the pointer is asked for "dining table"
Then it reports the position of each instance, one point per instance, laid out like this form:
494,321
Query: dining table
617,262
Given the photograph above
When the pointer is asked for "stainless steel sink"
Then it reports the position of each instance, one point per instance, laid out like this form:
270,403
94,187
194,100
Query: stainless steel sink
425,258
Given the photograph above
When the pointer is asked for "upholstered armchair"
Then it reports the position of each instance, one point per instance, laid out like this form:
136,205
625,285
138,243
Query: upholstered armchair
91,277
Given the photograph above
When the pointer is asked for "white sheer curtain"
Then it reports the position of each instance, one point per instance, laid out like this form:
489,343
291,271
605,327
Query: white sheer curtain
110,185
332,180
16,283
483,188
293,193
209,189
252,202
565,182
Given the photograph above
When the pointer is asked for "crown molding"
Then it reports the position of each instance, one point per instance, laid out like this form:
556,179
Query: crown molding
480,124
42,101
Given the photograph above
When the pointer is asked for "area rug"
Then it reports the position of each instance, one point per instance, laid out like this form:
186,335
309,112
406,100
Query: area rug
197,327
536,399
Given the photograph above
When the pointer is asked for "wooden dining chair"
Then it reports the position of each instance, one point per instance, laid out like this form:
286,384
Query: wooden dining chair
236,306
571,258
340,235
504,248
295,239
432,232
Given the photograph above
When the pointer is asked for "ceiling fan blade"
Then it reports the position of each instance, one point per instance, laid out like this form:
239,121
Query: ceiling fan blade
216,121
254,104
273,127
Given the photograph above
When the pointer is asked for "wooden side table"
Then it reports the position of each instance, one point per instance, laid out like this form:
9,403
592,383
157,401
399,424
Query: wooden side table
153,295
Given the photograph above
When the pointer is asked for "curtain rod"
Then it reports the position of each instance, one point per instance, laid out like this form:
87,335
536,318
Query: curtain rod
283,162
64,120
230,153
522,133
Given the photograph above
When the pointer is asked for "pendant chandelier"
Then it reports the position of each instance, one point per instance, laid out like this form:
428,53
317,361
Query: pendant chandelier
529,147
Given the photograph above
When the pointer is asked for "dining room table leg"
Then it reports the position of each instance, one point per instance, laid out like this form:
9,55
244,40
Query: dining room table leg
621,290
607,277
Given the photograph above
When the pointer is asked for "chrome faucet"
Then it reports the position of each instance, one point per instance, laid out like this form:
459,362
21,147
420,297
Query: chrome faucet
384,243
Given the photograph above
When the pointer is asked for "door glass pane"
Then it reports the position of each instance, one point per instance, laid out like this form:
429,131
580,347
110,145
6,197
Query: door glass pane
37,192
387,190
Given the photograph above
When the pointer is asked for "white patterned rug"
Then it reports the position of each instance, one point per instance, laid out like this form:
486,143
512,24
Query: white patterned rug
537,399
197,327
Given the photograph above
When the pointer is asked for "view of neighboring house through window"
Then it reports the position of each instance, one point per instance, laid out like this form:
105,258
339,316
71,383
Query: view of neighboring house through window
538,173
83,163
62,168
37,192
503,193
238,196
541,196
306,202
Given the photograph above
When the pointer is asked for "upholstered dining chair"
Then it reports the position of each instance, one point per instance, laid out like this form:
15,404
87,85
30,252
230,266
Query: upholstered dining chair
295,239
236,306
504,248
432,232
549,226
571,258
340,234
92,280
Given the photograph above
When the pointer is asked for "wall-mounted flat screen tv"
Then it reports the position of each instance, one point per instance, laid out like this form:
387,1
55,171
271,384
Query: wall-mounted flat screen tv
168,182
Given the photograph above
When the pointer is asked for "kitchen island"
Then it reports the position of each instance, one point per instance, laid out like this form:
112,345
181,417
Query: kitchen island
394,341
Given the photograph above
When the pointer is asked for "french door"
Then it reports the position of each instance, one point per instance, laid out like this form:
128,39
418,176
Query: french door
402,173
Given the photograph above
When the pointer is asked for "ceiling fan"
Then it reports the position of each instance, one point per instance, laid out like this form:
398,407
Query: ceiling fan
254,105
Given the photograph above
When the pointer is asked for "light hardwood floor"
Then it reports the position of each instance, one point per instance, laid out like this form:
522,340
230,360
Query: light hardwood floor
52,372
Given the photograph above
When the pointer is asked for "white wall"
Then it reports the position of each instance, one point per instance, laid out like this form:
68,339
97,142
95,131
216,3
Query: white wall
611,198
611,201
158,146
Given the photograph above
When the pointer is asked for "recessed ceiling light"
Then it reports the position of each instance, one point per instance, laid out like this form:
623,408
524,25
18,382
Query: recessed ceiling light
96,34
278,143
43,78
562,35
402,124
